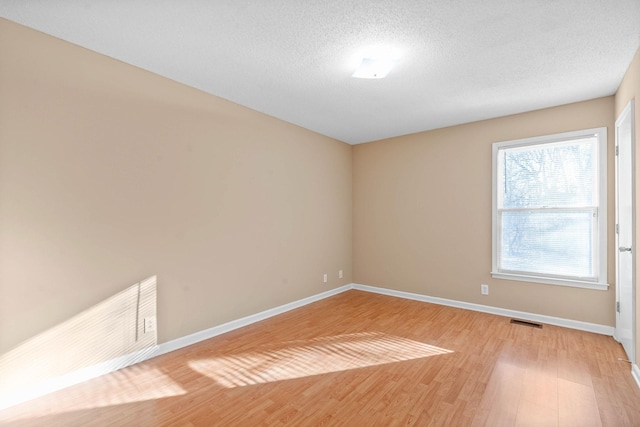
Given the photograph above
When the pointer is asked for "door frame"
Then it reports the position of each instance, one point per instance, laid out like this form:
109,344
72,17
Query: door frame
628,114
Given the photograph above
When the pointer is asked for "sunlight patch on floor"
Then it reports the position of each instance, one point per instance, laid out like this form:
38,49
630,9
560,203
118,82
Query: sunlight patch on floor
317,356
136,383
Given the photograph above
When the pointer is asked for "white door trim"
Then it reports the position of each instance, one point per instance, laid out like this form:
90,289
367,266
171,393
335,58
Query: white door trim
626,114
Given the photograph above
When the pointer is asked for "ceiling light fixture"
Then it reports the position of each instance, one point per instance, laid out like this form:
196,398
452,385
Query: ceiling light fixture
374,68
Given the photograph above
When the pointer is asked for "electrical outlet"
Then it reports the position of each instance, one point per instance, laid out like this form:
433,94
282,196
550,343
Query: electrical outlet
149,324
340,275
484,289
325,277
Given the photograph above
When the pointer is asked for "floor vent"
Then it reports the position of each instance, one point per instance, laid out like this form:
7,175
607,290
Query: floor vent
525,323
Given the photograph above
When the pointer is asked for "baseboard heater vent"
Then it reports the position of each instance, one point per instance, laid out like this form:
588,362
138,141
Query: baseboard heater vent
525,323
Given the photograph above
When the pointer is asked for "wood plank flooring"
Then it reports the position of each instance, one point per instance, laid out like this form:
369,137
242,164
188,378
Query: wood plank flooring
359,359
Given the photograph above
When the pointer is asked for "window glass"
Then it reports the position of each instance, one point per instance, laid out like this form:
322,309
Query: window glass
549,219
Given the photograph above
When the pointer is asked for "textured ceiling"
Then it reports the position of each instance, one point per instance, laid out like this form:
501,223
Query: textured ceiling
460,61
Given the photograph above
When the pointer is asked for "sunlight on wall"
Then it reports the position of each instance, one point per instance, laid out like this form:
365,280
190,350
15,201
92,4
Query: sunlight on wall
98,339
304,358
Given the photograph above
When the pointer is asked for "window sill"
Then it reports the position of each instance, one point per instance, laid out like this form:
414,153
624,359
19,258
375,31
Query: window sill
551,281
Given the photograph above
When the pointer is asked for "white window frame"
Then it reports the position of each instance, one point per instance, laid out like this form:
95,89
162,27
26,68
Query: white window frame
600,281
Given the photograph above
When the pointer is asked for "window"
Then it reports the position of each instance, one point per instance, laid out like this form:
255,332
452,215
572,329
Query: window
550,210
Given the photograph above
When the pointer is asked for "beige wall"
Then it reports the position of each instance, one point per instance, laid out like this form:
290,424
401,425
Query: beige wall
110,174
422,214
630,89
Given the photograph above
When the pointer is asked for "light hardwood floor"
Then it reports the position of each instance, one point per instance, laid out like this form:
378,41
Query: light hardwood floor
359,359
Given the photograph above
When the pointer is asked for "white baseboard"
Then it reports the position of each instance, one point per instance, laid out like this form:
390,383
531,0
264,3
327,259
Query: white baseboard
75,377
245,321
557,321
88,373
85,374
635,373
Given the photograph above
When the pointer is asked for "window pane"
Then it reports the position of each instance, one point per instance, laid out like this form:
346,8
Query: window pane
548,242
550,175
